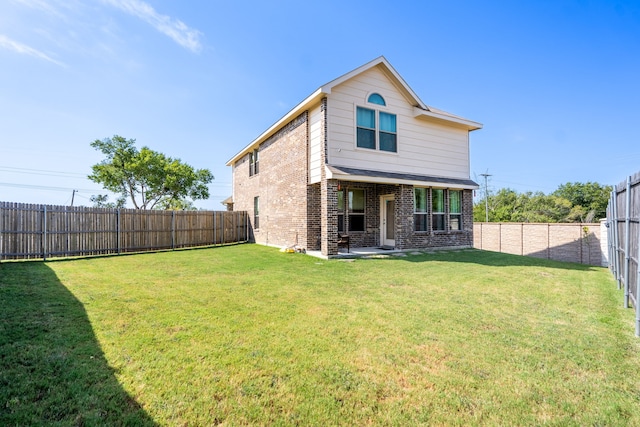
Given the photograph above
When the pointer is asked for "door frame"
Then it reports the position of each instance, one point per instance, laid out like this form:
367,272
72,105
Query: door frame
383,220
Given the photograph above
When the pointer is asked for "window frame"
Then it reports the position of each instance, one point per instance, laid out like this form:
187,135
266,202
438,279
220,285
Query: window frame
379,109
388,132
254,160
376,98
455,215
352,214
424,215
256,212
435,221
367,129
438,218
346,212
340,210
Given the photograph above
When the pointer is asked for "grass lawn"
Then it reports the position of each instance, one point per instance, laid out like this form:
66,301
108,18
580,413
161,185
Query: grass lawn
246,335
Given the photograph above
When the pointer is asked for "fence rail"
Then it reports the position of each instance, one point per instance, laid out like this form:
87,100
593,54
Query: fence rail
623,227
29,231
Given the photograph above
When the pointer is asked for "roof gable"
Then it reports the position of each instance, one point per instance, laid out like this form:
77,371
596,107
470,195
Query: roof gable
421,110
383,65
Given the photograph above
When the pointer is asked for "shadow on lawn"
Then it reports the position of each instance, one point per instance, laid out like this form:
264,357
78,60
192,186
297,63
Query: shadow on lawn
52,369
498,259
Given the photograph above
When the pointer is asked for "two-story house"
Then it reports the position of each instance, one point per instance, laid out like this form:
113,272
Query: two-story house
362,156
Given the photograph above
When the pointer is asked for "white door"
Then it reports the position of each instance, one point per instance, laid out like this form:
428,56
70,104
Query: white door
388,221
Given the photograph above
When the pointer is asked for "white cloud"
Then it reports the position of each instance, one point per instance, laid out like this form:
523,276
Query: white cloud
41,5
182,34
7,43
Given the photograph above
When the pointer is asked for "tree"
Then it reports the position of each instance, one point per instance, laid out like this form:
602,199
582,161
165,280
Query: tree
571,202
590,199
146,177
102,201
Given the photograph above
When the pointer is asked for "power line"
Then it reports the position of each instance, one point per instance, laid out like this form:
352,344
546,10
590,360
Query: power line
63,174
40,171
46,187
486,196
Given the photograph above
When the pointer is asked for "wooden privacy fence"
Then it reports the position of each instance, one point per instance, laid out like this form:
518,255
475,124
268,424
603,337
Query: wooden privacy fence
40,231
623,227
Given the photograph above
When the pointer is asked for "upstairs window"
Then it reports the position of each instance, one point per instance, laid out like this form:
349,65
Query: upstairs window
376,130
388,140
253,163
366,128
376,98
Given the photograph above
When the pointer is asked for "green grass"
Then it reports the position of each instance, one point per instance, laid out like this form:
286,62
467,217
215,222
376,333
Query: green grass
246,335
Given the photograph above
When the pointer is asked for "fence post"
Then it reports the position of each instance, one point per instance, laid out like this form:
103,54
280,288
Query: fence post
173,230
214,227
44,232
118,230
522,239
548,241
618,247
610,241
616,238
68,224
627,242
1,229
638,287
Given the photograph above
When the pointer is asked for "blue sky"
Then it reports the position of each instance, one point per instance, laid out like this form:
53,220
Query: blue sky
555,82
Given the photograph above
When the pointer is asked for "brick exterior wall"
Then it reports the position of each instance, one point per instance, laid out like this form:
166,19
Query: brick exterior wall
314,220
294,212
329,215
579,243
405,236
281,185
433,239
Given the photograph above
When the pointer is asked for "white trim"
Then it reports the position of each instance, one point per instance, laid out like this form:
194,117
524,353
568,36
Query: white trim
377,109
376,92
383,180
471,125
401,84
383,216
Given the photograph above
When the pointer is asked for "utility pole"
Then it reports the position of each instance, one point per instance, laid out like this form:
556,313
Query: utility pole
73,196
486,196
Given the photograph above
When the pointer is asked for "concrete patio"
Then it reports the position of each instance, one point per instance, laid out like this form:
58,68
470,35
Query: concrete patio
379,252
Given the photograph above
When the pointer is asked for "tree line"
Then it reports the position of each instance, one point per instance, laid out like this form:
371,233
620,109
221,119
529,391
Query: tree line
571,202
148,179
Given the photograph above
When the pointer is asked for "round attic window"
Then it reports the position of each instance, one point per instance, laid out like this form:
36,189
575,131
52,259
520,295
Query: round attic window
376,98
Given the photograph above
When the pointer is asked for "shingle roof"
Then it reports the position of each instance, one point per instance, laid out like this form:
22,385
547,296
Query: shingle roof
340,172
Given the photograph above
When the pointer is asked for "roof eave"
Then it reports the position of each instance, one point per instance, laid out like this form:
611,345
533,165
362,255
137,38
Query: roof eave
469,124
336,173
292,114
